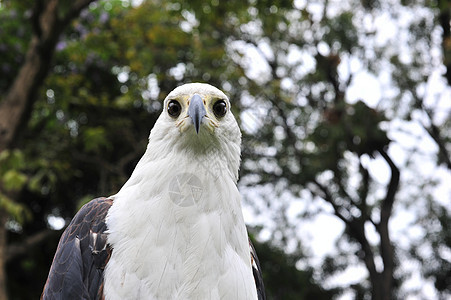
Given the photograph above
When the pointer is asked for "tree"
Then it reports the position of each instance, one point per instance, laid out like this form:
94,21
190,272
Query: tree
48,20
318,140
90,119
289,69
283,280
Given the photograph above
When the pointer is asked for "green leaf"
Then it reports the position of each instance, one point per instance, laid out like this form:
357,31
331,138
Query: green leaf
11,160
18,211
35,182
13,180
95,139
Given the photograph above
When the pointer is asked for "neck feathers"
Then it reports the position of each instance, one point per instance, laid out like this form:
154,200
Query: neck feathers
176,226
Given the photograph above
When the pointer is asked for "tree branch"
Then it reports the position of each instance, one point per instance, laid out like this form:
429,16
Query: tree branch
329,198
387,204
338,179
444,19
356,230
386,247
363,191
434,133
17,249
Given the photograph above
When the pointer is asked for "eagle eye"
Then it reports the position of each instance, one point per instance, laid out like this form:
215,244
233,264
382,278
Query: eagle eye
220,108
174,108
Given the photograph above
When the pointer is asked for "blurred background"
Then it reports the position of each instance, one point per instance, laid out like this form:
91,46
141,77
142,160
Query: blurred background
344,107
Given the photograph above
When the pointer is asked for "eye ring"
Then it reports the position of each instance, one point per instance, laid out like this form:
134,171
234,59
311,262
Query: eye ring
220,108
174,108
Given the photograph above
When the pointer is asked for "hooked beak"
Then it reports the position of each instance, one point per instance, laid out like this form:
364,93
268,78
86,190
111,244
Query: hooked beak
196,111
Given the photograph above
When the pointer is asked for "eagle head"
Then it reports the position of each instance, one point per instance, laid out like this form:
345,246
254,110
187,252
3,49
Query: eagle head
197,120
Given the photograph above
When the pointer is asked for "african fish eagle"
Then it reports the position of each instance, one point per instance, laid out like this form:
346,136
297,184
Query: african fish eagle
175,230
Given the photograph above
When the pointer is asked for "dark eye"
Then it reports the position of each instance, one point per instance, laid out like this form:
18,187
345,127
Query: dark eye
174,108
220,108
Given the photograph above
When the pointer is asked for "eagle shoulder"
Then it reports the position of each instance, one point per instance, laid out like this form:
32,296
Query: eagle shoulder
81,256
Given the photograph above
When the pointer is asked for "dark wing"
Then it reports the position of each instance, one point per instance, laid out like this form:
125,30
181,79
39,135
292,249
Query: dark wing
257,271
81,256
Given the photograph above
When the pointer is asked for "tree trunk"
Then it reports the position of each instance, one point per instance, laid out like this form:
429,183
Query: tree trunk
3,244
15,108
17,104
384,283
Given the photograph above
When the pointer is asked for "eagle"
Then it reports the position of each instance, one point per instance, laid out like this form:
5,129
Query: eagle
175,230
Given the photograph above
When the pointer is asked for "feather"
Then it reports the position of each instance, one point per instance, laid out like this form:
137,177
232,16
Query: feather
81,256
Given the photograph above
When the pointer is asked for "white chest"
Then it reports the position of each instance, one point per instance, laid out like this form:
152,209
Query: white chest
166,247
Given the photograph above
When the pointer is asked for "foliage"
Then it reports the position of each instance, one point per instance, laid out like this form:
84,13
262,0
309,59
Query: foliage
283,280
287,68
15,33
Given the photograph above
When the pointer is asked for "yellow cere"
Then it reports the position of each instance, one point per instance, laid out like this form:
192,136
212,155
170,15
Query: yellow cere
184,121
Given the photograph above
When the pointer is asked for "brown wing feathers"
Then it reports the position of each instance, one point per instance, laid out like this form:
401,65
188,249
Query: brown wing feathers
81,256
257,272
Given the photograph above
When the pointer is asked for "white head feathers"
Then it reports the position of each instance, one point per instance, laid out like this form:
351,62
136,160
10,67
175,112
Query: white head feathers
219,136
